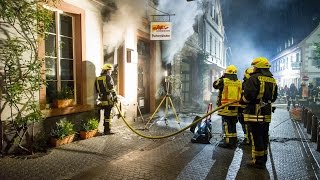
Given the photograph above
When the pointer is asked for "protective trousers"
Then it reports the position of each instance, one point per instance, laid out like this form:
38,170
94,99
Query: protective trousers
107,118
244,126
259,141
229,129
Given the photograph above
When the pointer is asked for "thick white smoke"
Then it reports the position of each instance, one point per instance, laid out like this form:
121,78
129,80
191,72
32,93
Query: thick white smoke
128,15
182,22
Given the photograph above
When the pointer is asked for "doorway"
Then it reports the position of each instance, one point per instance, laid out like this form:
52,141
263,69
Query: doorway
143,95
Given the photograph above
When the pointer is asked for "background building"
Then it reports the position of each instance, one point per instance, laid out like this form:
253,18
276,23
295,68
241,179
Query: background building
295,62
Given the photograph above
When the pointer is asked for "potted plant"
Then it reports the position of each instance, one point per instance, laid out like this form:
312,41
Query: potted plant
89,128
62,133
64,98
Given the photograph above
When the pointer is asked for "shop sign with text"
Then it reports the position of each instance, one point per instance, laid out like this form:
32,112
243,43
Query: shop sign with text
160,31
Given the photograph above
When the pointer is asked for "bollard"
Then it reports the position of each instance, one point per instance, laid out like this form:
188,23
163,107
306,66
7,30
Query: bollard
314,128
305,117
302,115
318,139
309,121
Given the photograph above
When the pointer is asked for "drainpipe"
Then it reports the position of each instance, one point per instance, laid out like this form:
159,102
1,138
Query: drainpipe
1,125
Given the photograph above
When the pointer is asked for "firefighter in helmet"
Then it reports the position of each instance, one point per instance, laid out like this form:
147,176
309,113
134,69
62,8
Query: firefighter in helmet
107,96
246,140
259,93
229,90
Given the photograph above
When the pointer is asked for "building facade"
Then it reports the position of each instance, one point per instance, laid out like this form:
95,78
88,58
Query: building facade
212,41
294,64
203,58
83,37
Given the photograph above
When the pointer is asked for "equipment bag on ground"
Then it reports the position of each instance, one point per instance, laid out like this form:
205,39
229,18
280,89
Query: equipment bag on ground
202,131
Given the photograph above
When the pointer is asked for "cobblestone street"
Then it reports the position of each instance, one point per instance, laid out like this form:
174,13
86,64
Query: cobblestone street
125,155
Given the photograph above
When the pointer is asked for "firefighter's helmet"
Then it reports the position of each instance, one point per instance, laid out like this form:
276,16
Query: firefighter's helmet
107,67
232,69
248,72
261,62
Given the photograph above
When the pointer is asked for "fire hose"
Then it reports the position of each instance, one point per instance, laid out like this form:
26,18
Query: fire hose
177,132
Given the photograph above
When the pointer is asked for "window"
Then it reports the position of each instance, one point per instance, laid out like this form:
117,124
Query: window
59,55
210,42
219,55
296,64
212,13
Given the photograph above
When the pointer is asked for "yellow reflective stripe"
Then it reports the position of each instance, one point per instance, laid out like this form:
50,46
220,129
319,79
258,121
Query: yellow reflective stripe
255,118
258,153
104,80
261,91
245,100
230,135
246,128
104,103
225,125
226,112
262,80
107,120
273,89
253,148
267,79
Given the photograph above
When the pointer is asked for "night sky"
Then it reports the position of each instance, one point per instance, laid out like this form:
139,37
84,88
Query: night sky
258,27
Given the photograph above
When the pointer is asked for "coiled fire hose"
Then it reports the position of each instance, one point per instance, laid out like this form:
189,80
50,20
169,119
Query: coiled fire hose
177,132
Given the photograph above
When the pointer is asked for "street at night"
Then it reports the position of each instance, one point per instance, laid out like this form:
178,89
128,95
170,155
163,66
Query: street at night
159,89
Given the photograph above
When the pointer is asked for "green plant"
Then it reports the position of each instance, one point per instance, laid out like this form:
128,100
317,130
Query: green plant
23,24
62,129
65,93
90,124
316,54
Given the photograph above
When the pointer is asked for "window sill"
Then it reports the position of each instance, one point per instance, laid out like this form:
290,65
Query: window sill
68,110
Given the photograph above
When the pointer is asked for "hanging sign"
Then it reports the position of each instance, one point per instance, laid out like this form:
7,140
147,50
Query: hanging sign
305,78
160,31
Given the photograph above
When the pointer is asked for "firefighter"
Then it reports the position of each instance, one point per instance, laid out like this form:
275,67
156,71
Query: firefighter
229,90
258,94
107,96
246,140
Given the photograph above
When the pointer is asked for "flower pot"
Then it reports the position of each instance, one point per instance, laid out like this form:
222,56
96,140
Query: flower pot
58,142
88,134
62,103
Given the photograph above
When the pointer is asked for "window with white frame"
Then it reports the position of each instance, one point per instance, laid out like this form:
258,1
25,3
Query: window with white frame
59,55
210,44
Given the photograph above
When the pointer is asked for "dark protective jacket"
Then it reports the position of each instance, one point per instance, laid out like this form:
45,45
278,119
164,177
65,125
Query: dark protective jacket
259,92
229,90
105,88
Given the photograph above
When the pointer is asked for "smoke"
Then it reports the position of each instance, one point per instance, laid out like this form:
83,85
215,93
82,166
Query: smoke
253,28
258,28
127,14
182,25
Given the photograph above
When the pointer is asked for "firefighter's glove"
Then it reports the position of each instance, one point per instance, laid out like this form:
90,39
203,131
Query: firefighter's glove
273,109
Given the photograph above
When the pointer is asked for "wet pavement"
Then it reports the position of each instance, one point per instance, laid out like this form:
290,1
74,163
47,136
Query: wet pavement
125,155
